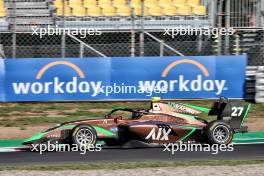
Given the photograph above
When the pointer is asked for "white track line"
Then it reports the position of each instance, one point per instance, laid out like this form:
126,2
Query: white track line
13,149
241,143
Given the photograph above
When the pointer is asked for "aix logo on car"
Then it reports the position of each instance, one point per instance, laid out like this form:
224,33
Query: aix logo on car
160,134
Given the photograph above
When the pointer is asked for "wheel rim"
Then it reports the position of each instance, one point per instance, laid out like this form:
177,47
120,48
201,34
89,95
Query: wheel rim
221,134
84,136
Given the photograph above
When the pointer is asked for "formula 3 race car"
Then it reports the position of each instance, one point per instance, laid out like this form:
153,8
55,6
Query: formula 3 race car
162,123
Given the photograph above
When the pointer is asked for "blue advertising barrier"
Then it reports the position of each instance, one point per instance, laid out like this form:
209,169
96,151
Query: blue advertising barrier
140,78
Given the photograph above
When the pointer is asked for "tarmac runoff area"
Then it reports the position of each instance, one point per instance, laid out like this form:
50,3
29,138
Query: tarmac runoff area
247,146
241,152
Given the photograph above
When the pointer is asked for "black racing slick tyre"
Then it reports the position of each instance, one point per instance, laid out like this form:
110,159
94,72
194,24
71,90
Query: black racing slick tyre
84,136
219,132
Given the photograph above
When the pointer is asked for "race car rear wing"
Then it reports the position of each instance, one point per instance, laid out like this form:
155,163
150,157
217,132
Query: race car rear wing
232,112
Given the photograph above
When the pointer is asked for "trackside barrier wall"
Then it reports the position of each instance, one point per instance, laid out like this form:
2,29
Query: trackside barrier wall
260,85
254,86
140,78
2,80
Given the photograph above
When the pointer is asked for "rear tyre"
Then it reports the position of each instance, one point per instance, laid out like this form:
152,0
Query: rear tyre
219,132
84,137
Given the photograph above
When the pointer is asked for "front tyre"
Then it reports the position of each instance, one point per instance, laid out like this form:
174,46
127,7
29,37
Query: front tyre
84,136
219,132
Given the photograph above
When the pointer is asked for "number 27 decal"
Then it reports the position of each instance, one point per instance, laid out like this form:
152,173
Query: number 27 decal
237,111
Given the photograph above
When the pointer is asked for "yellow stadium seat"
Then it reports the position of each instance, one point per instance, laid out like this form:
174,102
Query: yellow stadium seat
2,6
165,3
183,10
199,10
178,2
58,3
155,11
146,11
94,12
67,11
193,2
135,3
123,11
108,11
149,3
78,11
2,12
170,10
75,3
117,3
105,3
137,11
89,3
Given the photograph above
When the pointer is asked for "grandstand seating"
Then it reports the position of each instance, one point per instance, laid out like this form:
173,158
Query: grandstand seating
198,10
123,11
2,9
102,13
94,11
67,11
123,8
108,11
28,13
3,14
184,10
119,3
135,3
170,11
89,3
78,11
158,14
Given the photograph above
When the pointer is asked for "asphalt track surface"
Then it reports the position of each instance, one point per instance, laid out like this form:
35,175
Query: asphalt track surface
241,152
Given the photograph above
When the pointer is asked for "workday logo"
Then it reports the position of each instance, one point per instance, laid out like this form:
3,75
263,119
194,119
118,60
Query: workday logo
183,83
66,63
77,84
117,79
175,63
